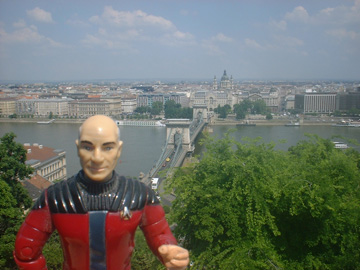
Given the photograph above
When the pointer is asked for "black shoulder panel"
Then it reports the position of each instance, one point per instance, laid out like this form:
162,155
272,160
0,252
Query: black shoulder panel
40,203
132,194
151,199
63,197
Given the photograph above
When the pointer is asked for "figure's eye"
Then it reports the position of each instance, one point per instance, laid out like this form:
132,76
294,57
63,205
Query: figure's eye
86,147
108,148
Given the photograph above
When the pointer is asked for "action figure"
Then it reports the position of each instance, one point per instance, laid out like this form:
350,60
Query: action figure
96,212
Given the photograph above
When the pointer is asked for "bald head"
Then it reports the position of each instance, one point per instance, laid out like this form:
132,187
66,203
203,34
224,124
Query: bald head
98,123
99,147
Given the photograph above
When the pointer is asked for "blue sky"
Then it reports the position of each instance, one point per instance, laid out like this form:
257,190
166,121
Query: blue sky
89,40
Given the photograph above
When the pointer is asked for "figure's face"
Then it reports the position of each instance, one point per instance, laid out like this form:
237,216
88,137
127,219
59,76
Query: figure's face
99,150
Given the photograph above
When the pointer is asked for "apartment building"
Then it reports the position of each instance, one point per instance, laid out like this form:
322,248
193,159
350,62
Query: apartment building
43,107
47,162
348,101
88,107
316,102
115,104
272,100
210,99
146,100
7,106
128,104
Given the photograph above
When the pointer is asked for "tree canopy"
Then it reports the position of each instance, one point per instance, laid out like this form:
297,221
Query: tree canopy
174,110
247,106
14,199
249,206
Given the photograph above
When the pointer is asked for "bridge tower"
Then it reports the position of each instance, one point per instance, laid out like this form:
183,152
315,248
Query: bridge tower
200,109
176,130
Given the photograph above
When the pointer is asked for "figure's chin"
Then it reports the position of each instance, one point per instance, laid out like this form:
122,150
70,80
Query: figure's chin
98,177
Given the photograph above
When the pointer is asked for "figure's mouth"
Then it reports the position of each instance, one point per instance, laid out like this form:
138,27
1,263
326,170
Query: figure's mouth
96,169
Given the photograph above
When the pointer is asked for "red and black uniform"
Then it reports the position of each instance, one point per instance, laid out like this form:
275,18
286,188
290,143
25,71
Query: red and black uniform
96,222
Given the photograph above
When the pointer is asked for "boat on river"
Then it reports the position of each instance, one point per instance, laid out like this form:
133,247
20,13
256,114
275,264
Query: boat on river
246,123
340,145
45,122
347,124
140,123
292,124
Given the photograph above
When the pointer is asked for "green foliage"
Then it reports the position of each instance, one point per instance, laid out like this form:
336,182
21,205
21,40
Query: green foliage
269,116
53,252
11,217
223,111
14,199
157,108
248,206
13,168
143,258
259,107
174,110
247,106
142,109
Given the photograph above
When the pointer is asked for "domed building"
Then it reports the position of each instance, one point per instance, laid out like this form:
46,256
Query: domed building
226,83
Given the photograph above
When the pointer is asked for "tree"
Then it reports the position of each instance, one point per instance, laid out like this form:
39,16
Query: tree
171,109
143,258
13,168
186,113
142,109
157,108
259,107
269,116
240,111
14,199
249,206
223,111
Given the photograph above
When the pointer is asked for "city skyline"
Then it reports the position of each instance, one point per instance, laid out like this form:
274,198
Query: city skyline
125,40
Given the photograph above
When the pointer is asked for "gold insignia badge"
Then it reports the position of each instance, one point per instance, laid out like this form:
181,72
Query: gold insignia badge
125,214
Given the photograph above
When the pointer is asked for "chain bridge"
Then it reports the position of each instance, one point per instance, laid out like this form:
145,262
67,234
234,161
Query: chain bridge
180,137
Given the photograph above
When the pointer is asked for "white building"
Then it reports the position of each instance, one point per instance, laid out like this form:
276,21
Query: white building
47,162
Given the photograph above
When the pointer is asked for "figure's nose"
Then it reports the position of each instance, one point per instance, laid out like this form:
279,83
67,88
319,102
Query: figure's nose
97,155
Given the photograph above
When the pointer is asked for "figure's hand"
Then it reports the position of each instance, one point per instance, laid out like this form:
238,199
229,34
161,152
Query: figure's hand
174,257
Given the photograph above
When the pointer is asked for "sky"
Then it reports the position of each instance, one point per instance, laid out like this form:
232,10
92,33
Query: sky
63,40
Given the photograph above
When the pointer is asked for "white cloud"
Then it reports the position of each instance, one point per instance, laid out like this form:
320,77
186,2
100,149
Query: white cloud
19,24
343,33
26,35
182,35
222,38
288,41
211,48
299,14
77,22
278,25
118,26
40,15
252,43
136,18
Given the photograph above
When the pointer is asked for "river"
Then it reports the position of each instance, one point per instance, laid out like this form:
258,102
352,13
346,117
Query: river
143,145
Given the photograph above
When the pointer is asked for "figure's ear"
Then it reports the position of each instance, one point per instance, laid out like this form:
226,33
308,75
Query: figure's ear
77,146
120,144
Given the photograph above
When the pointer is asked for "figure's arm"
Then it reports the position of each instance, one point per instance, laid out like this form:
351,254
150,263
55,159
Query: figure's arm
161,240
31,238
156,229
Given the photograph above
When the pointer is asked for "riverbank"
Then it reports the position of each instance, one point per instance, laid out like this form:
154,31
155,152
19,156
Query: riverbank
276,122
214,122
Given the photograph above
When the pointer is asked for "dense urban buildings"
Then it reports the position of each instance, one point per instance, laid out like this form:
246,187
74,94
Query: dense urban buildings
118,99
